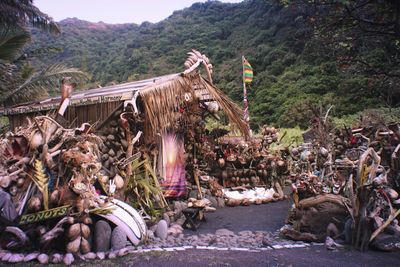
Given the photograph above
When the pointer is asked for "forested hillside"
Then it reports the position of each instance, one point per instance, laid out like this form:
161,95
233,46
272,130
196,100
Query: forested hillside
294,67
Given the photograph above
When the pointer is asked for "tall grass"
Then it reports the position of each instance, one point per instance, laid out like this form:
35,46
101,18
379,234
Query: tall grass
293,136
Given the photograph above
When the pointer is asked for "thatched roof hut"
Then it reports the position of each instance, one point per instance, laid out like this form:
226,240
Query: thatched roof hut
160,97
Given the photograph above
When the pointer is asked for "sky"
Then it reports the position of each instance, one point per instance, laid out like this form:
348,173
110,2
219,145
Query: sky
115,11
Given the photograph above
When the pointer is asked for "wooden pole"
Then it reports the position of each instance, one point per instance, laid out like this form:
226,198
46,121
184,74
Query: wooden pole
246,115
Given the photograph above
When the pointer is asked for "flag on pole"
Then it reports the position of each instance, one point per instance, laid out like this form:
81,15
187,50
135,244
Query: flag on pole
247,71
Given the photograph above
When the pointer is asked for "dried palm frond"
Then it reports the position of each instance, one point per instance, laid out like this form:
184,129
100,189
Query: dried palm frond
231,109
161,102
102,210
41,180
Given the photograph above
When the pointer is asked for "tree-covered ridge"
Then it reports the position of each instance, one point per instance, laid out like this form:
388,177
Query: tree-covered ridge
294,67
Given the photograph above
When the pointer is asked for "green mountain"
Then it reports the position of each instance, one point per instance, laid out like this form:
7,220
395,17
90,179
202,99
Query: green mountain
293,70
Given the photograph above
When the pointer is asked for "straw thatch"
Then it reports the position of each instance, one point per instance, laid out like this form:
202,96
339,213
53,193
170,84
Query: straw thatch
162,100
231,109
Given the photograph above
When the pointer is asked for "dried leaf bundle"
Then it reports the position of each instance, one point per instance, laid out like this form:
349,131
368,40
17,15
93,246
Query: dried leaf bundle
41,180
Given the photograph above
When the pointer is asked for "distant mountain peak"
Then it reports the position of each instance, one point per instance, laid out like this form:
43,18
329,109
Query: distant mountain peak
79,23
73,20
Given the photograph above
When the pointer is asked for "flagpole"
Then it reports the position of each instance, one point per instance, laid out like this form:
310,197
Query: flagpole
246,115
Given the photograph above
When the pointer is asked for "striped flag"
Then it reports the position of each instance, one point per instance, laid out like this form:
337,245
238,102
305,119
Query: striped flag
247,71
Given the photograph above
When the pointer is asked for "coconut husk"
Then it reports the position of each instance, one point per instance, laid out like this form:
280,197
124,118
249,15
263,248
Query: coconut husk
74,231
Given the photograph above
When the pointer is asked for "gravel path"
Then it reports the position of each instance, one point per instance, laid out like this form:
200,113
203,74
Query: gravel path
302,257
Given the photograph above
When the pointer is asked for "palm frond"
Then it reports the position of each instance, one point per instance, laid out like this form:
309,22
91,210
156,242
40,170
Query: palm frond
12,40
40,83
144,188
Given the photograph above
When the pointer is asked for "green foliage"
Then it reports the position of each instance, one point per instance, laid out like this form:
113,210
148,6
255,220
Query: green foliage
295,69
387,115
41,83
23,12
143,188
291,136
12,40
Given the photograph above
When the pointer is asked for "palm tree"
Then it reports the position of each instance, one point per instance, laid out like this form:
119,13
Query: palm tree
15,16
38,83
22,12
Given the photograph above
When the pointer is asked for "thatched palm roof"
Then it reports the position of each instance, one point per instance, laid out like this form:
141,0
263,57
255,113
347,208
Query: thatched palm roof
161,97
161,100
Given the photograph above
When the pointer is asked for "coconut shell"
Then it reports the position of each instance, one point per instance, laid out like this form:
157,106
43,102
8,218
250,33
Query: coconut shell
266,200
74,231
119,182
233,202
246,202
74,246
85,246
104,179
258,201
34,204
87,220
104,157
221,162
5,181
20,182
36,140
85,230
55,197
392,193
265,174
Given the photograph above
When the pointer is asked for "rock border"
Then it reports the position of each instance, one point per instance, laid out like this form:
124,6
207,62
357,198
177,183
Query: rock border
68,258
